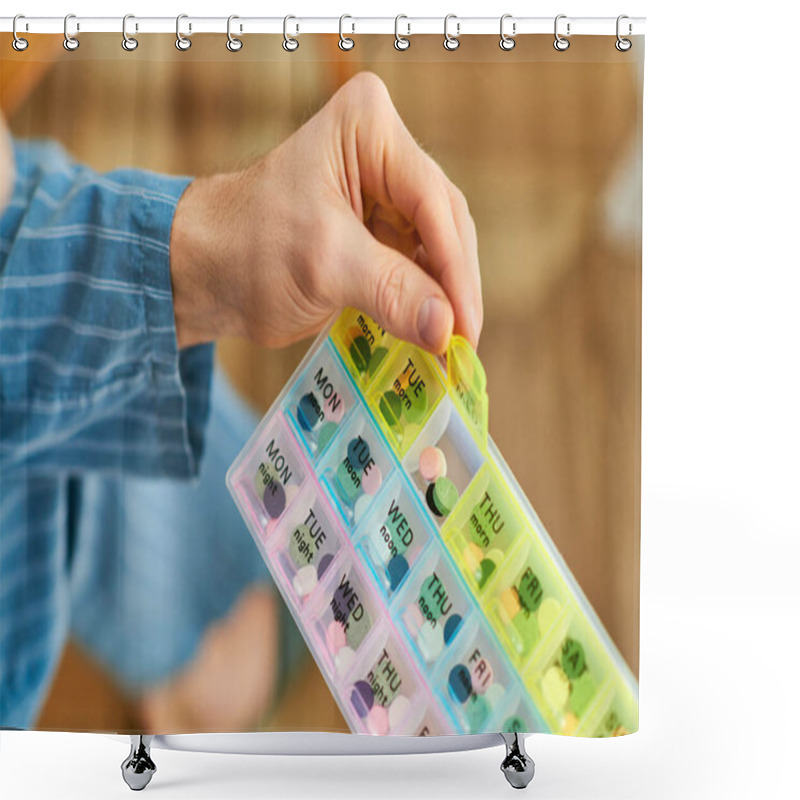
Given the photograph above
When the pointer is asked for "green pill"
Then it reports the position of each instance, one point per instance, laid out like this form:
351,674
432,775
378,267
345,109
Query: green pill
445,495
530,590
326,433
376,360
348,485
357,628
514,724
527,627
431,597
573,659
301,546
390,406
582,693
485,571
360,353
477,711
418,405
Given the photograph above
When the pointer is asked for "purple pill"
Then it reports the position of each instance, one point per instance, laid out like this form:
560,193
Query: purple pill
362,698
274,498
324,563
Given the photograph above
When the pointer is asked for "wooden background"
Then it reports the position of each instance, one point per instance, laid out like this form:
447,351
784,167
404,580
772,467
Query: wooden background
546,147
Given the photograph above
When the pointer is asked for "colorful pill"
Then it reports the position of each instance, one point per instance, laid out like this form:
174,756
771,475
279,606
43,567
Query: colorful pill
274,499
445,496
555,687
323,565
432,464
376,360
335,636
482,676
344,659
348,483
582,693
301,546
569,724
358,453
573,659
334,411
417,406
390,407
473,556
527,627
485,571
378,721
396,570
372,479
362,698
477,712
548,613
309,414
509,603
460,683
305,581
358,626
451,628
397,711
530,590
514,724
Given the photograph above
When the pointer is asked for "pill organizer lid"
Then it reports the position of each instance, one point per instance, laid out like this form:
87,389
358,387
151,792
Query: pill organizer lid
467,385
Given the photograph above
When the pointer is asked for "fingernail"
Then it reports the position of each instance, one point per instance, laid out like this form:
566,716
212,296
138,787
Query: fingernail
429,321
476,326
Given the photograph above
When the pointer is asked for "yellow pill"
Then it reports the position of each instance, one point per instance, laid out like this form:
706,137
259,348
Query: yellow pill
472,556
620,731
569,724
510,604
555,687
548,613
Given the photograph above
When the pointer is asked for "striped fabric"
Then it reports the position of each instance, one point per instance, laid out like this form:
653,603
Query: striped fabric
91,381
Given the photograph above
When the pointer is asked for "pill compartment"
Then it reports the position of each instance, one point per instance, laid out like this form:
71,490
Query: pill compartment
305,544
567,680
527,599
404,394
483,528
474,679
319,400
340,613
433,609
616,712
363,344
355,467
518,715
446,450
392,535
430,723
382,691
267,475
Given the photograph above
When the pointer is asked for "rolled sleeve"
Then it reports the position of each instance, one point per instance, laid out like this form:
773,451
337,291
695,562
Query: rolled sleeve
91,377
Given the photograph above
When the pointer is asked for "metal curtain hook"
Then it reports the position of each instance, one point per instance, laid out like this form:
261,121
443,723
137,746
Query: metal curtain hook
400,42
19,44
181,42
129,43
507,42
290,44
560,43
70,42
345,42
451,42
233,44
623,45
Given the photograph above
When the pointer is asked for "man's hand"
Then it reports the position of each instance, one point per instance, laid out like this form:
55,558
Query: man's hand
348,211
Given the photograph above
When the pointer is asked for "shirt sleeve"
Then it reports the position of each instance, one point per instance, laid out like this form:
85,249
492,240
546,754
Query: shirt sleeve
91,377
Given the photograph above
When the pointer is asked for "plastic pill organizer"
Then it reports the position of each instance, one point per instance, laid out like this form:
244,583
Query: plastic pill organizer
425,585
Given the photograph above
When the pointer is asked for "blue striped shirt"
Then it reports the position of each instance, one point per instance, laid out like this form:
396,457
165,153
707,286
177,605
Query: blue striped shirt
90,380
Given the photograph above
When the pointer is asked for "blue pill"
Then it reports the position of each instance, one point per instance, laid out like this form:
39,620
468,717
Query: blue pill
460,683
308,412
396,570
451,628
323,565
358,453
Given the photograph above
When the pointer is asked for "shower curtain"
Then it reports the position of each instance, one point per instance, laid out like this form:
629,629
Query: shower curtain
175,226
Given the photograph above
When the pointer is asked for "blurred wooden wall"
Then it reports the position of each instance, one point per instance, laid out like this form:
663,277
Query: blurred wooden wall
537,148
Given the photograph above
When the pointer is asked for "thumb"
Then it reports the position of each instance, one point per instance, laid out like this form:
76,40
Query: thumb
394,290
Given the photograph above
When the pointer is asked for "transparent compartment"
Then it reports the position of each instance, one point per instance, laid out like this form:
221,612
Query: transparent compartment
616,714
305,544
433,609
458,460
473,680
356,466
483,528
526,600
392,535
382,690
319,400
363,344
404,394
431,723
518,715
339,616
268,475
567,680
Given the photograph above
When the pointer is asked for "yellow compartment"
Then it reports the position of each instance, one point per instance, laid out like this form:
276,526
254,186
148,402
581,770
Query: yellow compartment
363,344
568,679
616,715
527,600
404,394
483,529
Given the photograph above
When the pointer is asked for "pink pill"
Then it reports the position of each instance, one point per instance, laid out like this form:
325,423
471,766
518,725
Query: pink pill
432,464
378,721
335,637
413,618
335,412
372,479
482,676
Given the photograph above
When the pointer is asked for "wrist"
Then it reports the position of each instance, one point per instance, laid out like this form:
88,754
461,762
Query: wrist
200,255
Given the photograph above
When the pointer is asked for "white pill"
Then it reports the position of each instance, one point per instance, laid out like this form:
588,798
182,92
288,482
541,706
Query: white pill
361,507
344,660
431,641
397,711
494,694
305,580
